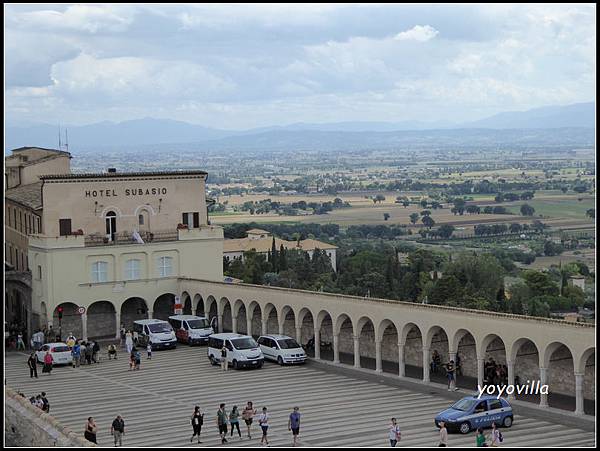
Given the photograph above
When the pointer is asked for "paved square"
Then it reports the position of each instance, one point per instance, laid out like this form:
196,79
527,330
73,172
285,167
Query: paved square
338,410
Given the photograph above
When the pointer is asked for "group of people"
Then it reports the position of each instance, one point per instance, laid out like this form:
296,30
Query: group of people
83,352
494,373
452,368
16,335
495,438
232,418
117,430
41,402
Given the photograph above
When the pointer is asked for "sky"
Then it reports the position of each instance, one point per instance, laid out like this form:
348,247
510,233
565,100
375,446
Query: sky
243,66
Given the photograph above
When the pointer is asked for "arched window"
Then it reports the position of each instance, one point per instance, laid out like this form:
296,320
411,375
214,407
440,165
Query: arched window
165,266
141,219
99,272
132,269
111,225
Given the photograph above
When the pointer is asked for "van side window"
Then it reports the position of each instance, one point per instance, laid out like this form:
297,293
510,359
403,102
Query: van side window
175,323
146,330
184,324
137,327
261,341
228,345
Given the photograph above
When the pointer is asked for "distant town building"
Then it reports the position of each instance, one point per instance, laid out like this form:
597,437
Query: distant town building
261,241
577,281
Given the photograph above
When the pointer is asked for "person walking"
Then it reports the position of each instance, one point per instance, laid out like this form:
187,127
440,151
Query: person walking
197,422
131,359
76,353
149,351
394,434
496,435
294,425
112,352
89,351
443,434
137,357
48,359
90,430
20,342
222,422
96,352
248,414
117,430
480,439
263,421
71,341
224,364
450,374
234,420
46,403
128,341
32,364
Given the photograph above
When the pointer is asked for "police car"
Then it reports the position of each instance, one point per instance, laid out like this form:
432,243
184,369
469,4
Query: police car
473,412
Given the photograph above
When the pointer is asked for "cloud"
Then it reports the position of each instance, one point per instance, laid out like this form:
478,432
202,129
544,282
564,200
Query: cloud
417,33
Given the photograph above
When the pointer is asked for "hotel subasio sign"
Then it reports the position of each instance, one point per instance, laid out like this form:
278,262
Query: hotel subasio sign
126,192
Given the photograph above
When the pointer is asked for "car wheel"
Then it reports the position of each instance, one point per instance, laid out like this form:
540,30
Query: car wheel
212,360
190,341
280,360
507,422
465,427
234,365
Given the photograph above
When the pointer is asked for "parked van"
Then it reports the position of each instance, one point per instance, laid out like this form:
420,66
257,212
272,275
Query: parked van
242,350
191,329
282,349
157,332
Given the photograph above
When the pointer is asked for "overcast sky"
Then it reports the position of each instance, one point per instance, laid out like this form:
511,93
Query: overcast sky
244,66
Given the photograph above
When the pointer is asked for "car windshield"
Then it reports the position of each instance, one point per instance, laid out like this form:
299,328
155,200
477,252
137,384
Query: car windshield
198,324
244,343
288,343
464,404
60,349
158,328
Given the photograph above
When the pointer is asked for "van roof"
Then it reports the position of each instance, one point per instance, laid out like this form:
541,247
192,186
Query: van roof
277,336
144,322
184,317
228,336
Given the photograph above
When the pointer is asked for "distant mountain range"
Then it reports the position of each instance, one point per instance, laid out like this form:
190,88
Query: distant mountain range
298,136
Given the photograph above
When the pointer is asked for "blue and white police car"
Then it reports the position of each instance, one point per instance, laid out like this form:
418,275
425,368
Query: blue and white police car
473,412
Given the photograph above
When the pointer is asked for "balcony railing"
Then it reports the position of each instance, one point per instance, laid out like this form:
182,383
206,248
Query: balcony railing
127,238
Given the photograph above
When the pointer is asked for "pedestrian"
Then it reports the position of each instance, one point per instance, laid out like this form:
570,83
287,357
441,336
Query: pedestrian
247,414
480,439
117,430
20,342
224,364
32,364
450,374
90,430
128,341
149,350
89,351
96,352
47,363
294,425
112,352
222,422
197,422
131,359
38,402
122,334
71,341
234,420
394,435
263,421
76,353
82,351
443,434
496,435
137,359
46,403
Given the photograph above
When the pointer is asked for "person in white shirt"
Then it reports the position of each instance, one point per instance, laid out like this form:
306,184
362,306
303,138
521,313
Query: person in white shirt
394,434
495,435
443,434
263,421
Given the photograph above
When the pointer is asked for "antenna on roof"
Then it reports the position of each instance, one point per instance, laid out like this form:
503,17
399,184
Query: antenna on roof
67,139
59,143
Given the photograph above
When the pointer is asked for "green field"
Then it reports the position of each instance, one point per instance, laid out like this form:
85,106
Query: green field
560,208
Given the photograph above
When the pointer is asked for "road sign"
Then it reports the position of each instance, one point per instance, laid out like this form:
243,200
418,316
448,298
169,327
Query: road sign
177,300
81,310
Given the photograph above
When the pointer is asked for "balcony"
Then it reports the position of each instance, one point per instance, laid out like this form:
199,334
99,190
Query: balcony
126,238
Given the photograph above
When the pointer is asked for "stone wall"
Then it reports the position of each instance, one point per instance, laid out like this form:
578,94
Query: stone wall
26,425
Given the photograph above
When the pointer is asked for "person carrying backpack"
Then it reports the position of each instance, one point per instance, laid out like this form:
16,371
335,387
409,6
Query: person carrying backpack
197,422
46,403
496,436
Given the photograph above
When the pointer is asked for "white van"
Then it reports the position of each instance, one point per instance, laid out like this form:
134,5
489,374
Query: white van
157,332
282,349
191,329
242,350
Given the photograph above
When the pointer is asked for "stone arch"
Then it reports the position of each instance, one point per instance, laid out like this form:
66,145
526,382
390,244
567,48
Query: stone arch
254,313
412,338
586,367
210,308
226,314
560,370
198,305
436,339
365,331
101,320
387,334
269,315
287,321
492,351
71,321
163,306
132,310
239,313
464,344
325,328
186,302
305,322
582,361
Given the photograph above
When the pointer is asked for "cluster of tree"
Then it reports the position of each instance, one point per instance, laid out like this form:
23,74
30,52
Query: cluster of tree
511,197
267,205
380,231
501,229
285,231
